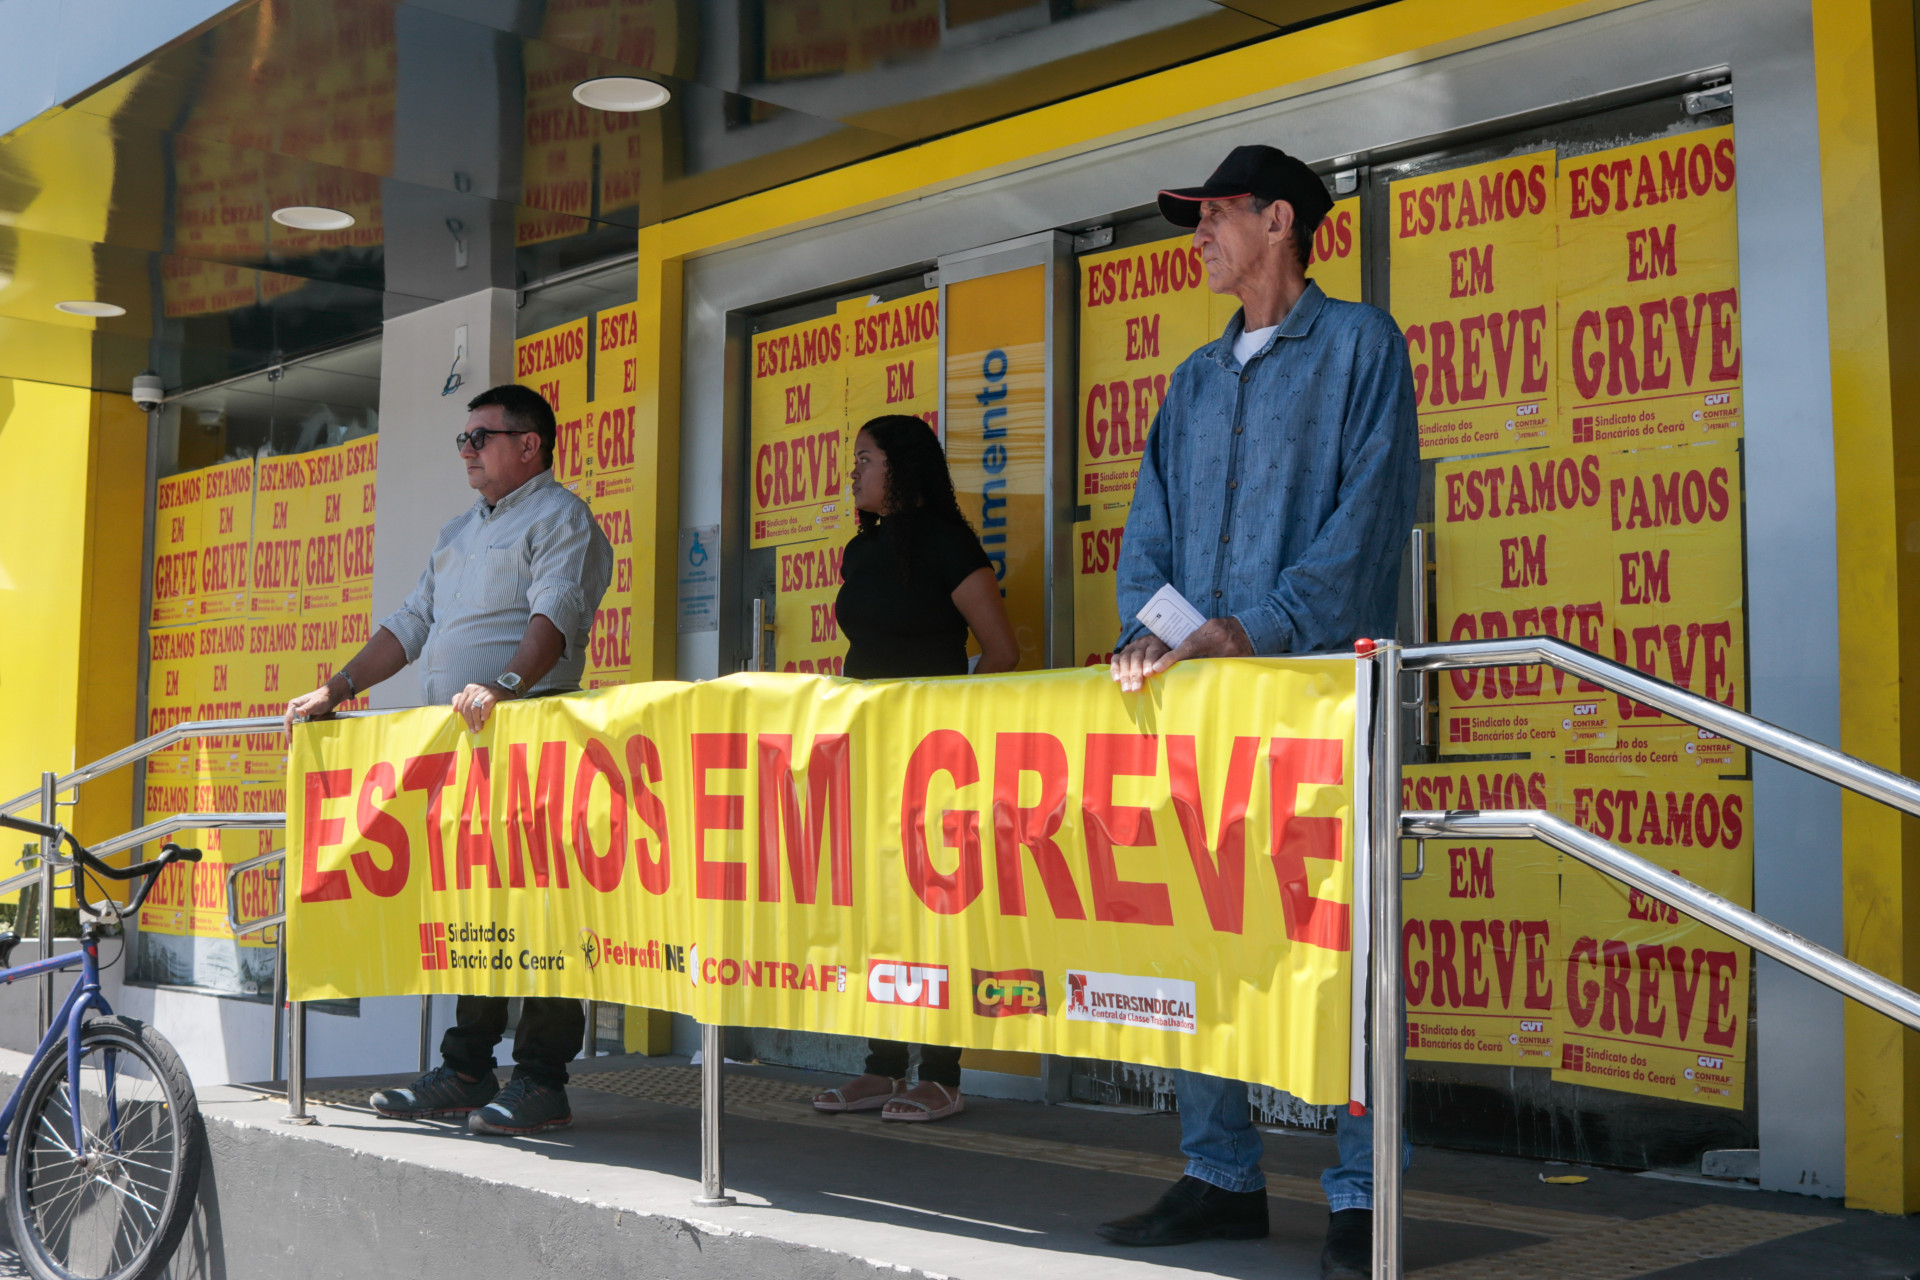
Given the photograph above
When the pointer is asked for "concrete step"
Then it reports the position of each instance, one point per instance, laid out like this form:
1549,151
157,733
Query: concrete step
1008,1189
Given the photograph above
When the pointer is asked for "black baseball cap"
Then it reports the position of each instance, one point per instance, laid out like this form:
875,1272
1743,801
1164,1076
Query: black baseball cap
1266,172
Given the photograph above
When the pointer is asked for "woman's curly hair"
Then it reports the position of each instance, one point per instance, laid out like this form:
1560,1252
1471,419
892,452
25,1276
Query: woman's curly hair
919,486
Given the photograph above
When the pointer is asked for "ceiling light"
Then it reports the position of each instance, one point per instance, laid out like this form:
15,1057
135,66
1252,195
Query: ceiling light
621,93
90,308
312,217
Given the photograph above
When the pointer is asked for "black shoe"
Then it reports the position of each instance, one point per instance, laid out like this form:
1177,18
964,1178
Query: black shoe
1193,1210
521,1108
440,1092
1348,1254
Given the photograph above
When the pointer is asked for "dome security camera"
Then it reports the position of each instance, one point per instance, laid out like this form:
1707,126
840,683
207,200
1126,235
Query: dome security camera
149,391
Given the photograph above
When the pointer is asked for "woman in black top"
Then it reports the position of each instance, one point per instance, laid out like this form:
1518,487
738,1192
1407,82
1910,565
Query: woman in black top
914,580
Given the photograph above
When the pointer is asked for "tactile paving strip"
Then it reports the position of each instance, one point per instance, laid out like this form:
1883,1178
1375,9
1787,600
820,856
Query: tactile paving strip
1626,1249
680,1086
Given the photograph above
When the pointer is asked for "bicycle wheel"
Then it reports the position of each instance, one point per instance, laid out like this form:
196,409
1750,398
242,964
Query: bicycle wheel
115,1208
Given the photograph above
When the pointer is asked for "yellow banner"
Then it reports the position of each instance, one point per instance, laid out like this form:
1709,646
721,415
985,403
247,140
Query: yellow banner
176,550
554,361
1650,293
1473,287
1034,862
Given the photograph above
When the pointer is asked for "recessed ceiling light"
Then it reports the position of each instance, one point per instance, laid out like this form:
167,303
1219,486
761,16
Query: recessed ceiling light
312,217
621,93
88,307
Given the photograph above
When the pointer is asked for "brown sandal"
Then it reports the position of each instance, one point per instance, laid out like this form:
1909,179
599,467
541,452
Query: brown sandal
862,1093
938,1105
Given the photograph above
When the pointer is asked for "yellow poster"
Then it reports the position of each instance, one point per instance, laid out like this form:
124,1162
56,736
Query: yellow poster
806,630
1650,293
838,856
189,899
271,676
1335,264
608,491
1481,955
322,572
616,359
996,424
360,462
1473,290
226,538
279,537
1656,1003
176,550
892,360
173,691
797,438
1636,556
225,672
554,361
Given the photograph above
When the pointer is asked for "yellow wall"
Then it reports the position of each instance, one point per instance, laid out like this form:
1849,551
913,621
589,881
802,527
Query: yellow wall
72,467
1870,148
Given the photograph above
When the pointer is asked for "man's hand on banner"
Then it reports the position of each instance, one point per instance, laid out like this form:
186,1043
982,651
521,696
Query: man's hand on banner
1147,657
475,703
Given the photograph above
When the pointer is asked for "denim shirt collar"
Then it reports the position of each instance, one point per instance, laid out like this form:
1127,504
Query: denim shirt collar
1297,323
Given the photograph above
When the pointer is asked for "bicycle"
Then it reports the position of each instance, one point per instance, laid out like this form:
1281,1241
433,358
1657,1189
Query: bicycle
103,1143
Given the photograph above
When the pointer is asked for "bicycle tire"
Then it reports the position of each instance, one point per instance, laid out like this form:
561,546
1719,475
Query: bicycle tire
123,1218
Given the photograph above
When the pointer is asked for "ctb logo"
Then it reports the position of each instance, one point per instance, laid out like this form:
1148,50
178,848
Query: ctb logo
433,945
903,982
1008,993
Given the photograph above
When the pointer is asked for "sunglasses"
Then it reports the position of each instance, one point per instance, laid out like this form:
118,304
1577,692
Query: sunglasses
479,436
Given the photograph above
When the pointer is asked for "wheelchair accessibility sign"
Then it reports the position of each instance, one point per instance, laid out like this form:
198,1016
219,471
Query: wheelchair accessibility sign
699,575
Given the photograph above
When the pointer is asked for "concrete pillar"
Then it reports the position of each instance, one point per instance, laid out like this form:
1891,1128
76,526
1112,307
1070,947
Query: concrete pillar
422,483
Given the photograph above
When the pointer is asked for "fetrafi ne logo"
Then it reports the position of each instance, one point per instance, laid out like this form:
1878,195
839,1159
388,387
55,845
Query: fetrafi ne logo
1007,993
1163,1004
655,954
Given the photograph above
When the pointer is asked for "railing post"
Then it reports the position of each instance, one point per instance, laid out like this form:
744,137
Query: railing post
279,996
426,1032
297,1065
1387,1043
592,1046
713,1170
49,813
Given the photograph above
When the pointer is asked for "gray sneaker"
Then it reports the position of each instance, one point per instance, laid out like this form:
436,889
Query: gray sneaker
440,1092
523,1107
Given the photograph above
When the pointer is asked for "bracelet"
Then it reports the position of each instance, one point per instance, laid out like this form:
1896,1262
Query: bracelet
352,688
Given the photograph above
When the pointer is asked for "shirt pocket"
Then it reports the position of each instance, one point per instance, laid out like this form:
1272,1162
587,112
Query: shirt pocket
500,578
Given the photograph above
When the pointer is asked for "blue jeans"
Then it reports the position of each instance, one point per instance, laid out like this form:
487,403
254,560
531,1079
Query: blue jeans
1222,1146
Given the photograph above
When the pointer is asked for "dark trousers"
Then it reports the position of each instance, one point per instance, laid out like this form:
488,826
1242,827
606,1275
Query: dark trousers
939,1063
550,1035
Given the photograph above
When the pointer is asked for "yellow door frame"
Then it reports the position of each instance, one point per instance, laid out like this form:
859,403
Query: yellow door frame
1870,176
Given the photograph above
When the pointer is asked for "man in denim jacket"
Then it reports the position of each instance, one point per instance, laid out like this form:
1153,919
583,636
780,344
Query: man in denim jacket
1276,493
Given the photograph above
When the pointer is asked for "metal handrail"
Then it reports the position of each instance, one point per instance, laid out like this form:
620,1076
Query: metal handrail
1736,921
190,822
239,869
1749,731
160,742
1392,824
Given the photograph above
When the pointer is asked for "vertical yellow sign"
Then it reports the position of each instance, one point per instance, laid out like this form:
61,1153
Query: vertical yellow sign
1335,264
176,550
996,422
279,538
1473,288
226,538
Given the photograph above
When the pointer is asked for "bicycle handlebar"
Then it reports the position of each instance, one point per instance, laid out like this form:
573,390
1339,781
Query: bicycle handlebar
170,853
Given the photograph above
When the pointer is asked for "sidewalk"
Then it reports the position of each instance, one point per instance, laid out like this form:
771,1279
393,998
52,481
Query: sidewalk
1008,1189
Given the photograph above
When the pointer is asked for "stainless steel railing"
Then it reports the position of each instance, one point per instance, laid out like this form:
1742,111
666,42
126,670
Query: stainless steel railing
1738,923
1391,825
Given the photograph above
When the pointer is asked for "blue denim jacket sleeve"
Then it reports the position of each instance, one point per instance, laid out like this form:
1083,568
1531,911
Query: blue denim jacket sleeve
1146,558
1324,598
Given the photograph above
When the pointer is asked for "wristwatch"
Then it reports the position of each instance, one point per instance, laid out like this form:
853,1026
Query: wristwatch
510,681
